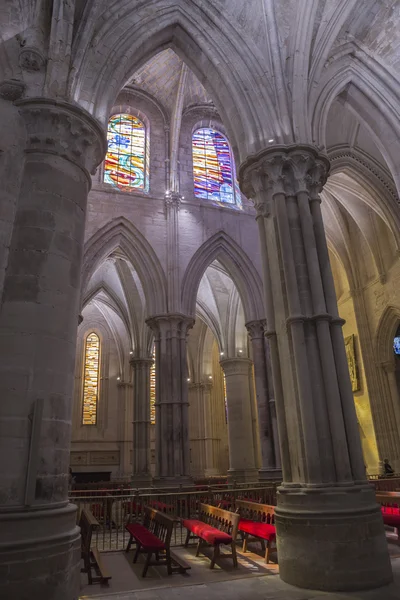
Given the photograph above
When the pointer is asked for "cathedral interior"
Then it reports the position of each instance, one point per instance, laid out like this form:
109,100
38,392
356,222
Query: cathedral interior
199,258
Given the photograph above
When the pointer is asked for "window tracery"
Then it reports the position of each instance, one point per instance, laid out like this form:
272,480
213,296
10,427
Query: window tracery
213,168
126,164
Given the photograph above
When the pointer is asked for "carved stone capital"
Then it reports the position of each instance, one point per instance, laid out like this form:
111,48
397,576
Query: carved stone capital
170,325
282,170
11,89
256,329
31,59
141,362
173,200
236,366
59,128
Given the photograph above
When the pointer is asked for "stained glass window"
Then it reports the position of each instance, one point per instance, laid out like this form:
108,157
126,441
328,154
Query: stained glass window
153,389
213,168
396,345
126,164
225,398
91,379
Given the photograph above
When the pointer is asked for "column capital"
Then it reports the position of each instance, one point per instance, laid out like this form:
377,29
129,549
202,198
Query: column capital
11,89
172,200
141,361
236,366
283,170
256,329
172,324
64,130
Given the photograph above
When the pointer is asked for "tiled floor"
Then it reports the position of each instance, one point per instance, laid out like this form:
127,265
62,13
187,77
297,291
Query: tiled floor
253,580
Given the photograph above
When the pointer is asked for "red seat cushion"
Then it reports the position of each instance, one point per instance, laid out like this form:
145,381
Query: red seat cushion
206,532
391,516
145,538
261,530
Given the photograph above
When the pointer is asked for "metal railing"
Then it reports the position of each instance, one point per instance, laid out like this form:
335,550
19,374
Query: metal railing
386,484
115,510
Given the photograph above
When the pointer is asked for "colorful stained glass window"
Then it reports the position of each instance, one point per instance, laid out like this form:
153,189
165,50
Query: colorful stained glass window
126,163
213,168
91,379
153,389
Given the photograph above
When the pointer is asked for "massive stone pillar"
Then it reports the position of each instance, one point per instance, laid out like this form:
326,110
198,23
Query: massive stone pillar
242,465
39,540
330,530
141,476
270,468
172,437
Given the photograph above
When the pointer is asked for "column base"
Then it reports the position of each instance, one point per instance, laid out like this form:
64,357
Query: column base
173,482
270,475
40,554
242,475
141,481
331,539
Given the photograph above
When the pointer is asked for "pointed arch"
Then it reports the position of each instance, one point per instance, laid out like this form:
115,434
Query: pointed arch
122,234
385,333
115,43
223,248
370,92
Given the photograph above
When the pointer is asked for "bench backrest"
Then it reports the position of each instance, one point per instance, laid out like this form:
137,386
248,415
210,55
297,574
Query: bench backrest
159,523
87,523
221,519
390,498
254,511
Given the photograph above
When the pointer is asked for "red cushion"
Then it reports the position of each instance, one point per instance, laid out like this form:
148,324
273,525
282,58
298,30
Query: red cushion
206,532
135,528
392,510
145,538
261,530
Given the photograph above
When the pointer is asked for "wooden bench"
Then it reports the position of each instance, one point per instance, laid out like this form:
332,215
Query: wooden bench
257,521
153,537
390,503
91,556
216,526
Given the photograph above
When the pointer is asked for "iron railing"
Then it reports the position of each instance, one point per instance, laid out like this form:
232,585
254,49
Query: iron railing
114,509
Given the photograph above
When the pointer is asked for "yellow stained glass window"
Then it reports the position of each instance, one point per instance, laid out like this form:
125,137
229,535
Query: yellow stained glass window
153,389
91,379
225,398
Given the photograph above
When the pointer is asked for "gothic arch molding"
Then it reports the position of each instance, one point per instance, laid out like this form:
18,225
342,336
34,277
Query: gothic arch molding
227,73
223,248
122,234
370,92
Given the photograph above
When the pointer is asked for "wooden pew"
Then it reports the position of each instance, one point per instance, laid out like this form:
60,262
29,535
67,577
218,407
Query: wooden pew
216,526
257,521
91,556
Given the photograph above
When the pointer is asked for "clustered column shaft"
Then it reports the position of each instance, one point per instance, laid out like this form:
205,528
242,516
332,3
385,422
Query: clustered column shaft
141,420
172,439
325,504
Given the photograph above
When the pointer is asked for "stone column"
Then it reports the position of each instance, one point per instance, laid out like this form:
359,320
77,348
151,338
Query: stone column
141,476
242,466
211,440
172,437
264,394
39,541
124,427
330,530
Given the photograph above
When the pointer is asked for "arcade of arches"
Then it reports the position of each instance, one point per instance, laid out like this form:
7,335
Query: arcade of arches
200,253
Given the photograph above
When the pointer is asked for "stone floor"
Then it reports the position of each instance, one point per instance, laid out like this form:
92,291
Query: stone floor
252,580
